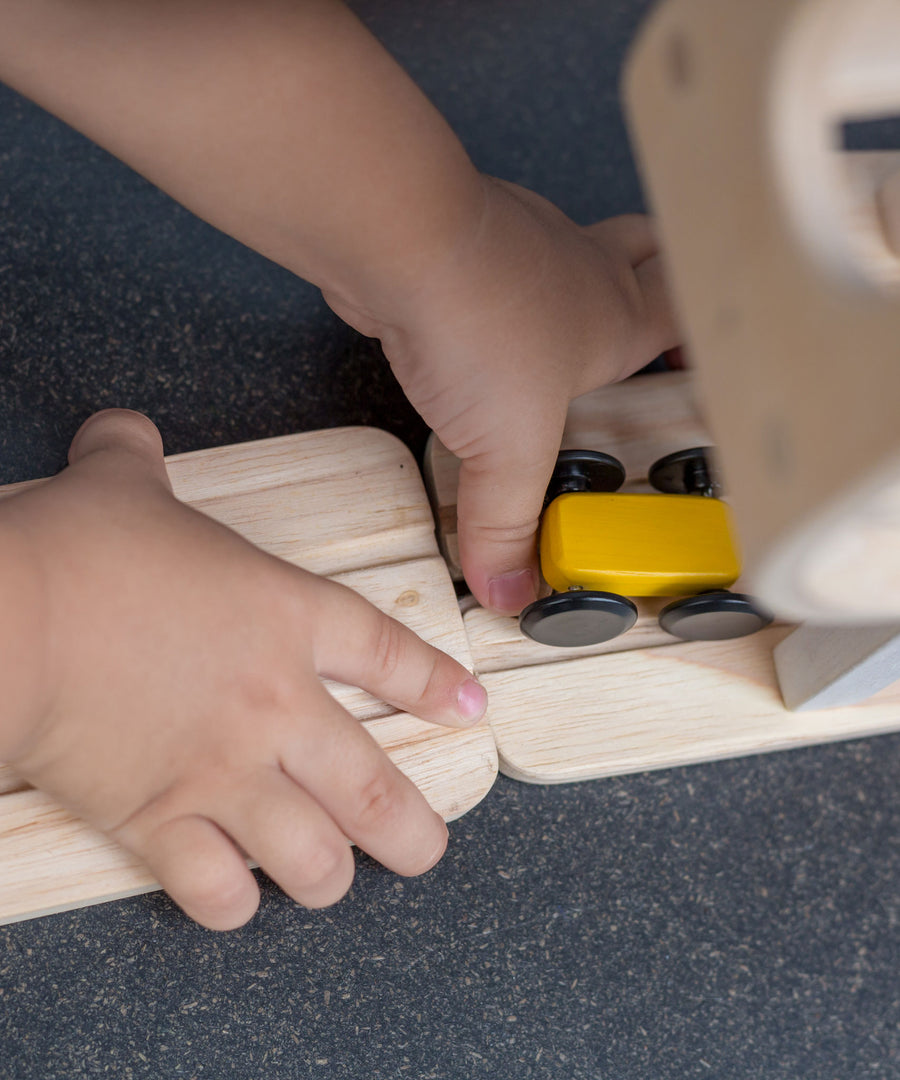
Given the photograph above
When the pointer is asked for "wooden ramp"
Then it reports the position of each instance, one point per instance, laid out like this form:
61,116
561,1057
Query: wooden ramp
347,503
643,700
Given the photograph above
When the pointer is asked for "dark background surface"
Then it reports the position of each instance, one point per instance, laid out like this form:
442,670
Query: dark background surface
730,920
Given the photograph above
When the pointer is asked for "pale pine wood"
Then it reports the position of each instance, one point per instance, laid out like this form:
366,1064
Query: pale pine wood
53,862
786,286
637,421
498,644
657,708
822,667
332,501
348,503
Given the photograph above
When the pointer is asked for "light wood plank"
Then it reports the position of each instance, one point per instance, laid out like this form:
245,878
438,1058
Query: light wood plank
498,645
349,503
657,708
317,499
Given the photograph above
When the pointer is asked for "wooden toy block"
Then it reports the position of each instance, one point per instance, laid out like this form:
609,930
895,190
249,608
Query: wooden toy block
349,504
783,253
782,258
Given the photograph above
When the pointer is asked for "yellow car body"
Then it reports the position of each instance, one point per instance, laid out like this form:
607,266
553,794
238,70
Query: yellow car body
638,544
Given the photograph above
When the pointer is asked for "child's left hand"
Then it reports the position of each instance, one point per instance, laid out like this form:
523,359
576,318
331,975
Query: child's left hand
162,679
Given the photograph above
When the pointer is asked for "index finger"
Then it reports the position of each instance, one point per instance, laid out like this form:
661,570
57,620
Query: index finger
499,503
358,644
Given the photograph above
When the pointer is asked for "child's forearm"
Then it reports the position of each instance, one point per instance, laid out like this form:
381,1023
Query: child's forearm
285,124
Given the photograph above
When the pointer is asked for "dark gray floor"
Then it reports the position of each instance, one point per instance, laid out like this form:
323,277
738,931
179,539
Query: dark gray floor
737,920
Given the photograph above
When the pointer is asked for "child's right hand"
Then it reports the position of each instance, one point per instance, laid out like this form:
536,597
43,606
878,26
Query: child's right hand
164,684
498,334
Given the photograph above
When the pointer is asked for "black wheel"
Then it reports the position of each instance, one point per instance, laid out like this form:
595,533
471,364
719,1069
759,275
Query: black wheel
569,619
713,616
585,470
686,472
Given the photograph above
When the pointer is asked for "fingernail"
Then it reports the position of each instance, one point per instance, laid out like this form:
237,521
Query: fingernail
438,852
509,593
471,701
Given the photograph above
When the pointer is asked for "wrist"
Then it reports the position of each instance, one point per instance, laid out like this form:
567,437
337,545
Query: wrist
498,256
419,253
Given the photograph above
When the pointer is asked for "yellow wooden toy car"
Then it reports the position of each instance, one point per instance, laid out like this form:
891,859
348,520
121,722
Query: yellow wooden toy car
599,548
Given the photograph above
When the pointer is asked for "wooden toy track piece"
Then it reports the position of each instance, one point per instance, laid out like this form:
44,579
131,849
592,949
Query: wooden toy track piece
348,503
654,708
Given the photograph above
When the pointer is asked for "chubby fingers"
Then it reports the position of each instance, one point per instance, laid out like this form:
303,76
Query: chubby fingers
200,868
367,797
194,844
499,501
293,813
356,643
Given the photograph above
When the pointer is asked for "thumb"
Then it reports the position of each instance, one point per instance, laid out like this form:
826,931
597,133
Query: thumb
129,435
499,504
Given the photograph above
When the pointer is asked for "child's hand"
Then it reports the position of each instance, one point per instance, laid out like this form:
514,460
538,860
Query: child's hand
168,688
525,314
494,308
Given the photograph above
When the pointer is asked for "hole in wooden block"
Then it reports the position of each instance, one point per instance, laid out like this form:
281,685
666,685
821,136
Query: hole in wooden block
837,77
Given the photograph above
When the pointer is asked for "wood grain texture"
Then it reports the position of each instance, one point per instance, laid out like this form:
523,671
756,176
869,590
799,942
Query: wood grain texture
657,708
498,644
785,279
348,503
